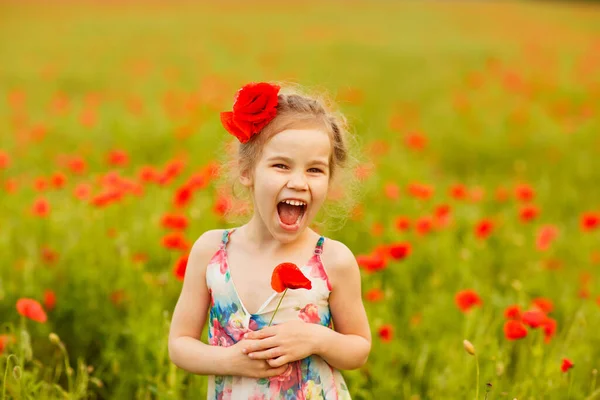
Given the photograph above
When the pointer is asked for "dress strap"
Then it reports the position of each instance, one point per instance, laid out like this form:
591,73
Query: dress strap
225,237
319,246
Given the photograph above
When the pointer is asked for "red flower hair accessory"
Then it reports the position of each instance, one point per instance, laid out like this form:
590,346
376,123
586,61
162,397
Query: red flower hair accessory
254,106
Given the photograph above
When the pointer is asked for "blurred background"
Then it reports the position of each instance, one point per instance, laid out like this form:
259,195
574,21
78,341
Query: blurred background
478,123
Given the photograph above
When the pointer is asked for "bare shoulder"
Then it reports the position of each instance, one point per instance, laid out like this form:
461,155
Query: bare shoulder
206,245
338,260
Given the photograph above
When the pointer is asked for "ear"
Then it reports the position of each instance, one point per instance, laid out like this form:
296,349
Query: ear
246,178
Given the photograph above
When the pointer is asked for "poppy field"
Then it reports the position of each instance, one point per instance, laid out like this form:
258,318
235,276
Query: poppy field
476,226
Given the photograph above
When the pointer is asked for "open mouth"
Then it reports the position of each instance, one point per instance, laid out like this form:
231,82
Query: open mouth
291,213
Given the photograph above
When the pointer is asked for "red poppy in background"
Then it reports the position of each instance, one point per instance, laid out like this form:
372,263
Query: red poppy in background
49,299
5,340
590,221
415,141
148,174
514,330
58,180
545,237
477,194
174,221
544,304
484,228
549,326
183,196
31,309
442,215
82,191
222,204
386,333
40,184
420,190
41,207
117,158
399,251
391,191
288,276
566,365
424,225
372,262
528,212
513,312
48,255
374,295
533,318
175,241
402,223
502,194
77,165
467,299
458,191
524,192
180,267
4,160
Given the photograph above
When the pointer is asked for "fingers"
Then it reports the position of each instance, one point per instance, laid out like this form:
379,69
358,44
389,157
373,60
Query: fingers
277,371
261,334
277,362
258,345
273,352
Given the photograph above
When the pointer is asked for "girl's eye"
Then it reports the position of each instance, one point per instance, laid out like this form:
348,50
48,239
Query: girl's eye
317,170
280,166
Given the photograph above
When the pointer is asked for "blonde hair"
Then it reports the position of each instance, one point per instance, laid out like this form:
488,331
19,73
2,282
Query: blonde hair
296,110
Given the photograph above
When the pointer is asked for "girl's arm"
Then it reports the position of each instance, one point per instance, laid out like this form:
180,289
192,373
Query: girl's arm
346,347
185,349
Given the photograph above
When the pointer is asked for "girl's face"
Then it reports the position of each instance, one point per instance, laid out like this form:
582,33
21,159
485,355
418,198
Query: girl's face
290,181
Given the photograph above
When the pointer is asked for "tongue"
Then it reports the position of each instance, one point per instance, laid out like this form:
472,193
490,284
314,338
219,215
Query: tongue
288,214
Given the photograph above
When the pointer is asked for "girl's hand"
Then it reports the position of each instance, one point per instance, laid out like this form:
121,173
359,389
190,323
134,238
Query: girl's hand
242,365
283,343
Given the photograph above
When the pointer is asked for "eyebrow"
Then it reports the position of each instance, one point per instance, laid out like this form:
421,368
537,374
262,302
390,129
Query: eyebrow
289,160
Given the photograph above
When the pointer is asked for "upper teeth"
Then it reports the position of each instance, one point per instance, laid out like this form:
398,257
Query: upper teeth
295,202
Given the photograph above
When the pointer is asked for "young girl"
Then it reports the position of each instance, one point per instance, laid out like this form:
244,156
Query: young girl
290,150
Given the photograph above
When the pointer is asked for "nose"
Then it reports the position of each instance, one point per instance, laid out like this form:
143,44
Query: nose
297,181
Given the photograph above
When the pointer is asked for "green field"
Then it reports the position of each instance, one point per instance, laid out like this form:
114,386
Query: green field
478,127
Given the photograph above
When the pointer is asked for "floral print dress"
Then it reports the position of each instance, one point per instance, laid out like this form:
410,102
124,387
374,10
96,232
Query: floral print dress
309,378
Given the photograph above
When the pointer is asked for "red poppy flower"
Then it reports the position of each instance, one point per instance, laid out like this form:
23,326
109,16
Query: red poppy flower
58,180
502,194
49,300
528,212
5,340
222,204
415,141
41,207
254,106
386,333
524,192
391,191
545,305
288,276
442,215
477,194
549,326
466,299
180,267
183,196
174,221
514,330
4,160
77,165
513,312
458,191
545,236
590,221
118,158
402,223
420,190
534,318
82,191
566,365
399,251
484,228
40,184
372,262
374,295
175,241
424,225
31,309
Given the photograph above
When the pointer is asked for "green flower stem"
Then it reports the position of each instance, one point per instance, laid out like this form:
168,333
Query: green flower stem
6,374
277,308
477,388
